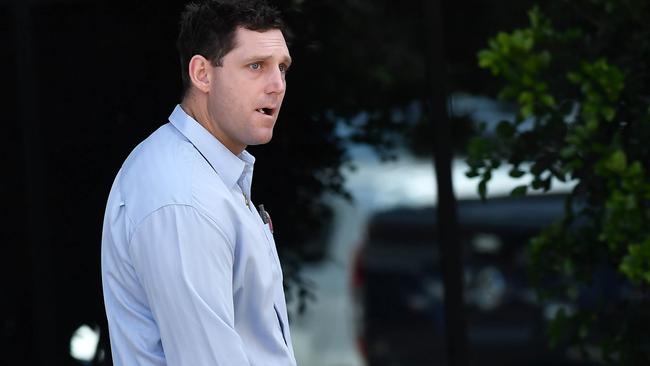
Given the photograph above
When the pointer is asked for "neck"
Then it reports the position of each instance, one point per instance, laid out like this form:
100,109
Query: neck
196,108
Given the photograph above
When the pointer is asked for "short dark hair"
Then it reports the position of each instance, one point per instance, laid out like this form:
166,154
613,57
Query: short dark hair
207,28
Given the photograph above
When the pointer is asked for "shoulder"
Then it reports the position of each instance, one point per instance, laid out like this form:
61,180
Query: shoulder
167,170
157,173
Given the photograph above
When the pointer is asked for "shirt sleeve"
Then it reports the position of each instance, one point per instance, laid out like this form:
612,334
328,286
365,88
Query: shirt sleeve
184,262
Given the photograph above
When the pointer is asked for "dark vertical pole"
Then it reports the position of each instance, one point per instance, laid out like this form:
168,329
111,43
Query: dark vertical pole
35,199
450,249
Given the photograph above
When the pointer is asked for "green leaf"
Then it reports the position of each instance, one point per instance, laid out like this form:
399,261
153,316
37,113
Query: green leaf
617,162
505,129
568,152
516,172
574,77
608,113
472,173
527,110
482,189
558,328
548,100
519,191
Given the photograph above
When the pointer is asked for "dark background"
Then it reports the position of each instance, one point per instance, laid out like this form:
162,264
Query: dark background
86,81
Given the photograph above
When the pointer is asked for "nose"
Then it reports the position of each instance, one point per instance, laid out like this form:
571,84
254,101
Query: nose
276,83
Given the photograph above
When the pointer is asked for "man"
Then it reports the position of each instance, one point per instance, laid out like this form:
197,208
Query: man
190,271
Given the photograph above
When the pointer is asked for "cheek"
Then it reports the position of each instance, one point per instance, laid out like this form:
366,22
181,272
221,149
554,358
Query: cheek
229,105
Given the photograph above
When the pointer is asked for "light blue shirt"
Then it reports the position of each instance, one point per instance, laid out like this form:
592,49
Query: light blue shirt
190,273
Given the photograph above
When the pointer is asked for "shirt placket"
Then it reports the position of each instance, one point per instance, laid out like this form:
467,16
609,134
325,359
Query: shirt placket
273,256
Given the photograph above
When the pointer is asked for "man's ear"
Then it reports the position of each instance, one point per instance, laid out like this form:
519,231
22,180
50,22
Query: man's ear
199,71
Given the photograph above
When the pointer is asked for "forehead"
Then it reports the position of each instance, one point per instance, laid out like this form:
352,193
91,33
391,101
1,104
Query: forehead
265,43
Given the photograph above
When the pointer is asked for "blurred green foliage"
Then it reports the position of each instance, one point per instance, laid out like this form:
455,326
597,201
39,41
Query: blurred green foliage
580,76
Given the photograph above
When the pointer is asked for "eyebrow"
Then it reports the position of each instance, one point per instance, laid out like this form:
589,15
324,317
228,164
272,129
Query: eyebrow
286,59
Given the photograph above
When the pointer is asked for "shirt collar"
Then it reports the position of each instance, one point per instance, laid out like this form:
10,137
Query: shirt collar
230,167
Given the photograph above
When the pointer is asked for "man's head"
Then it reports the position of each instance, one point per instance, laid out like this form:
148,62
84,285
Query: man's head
234,58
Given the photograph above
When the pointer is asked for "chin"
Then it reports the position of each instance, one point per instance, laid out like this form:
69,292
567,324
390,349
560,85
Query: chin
262,139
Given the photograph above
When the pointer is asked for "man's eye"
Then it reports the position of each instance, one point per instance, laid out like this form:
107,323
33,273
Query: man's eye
283,68
255,66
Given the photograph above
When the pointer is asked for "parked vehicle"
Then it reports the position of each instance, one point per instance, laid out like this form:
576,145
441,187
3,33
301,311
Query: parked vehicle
398,287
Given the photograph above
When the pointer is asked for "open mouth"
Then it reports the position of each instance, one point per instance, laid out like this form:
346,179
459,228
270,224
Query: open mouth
266,111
